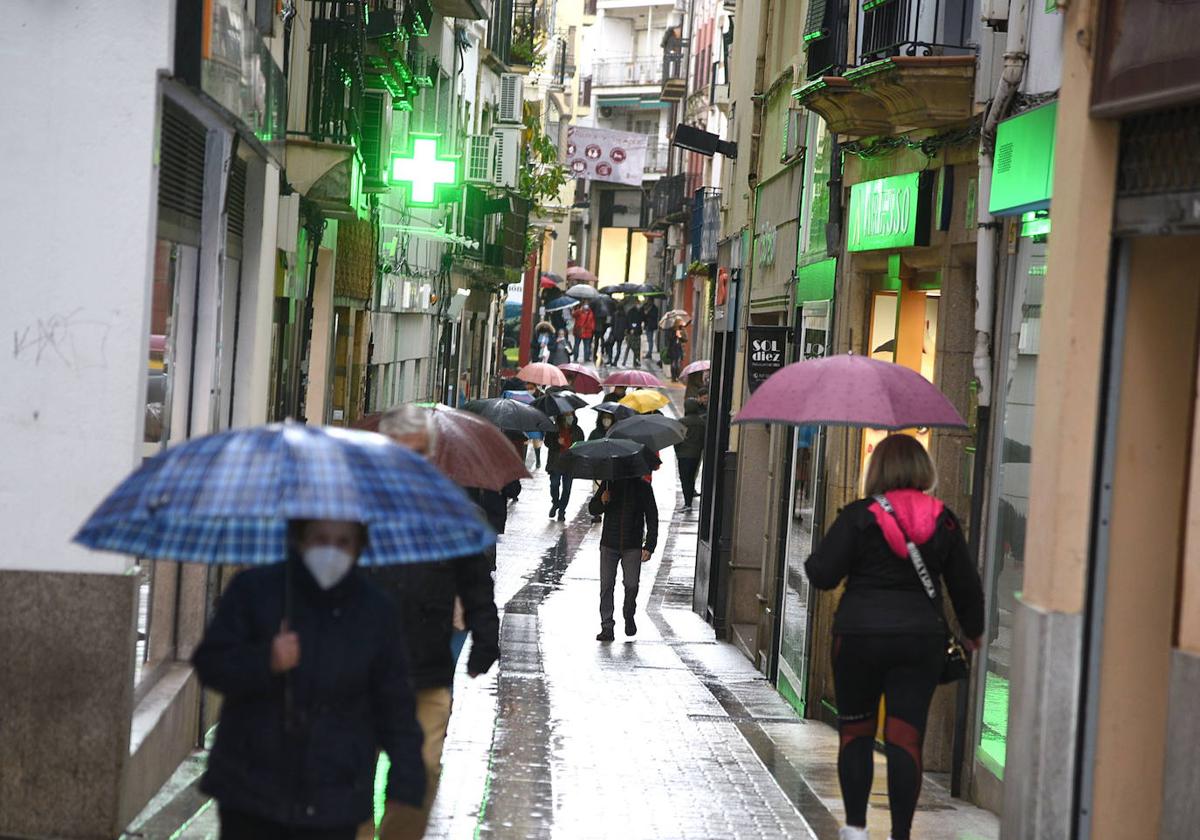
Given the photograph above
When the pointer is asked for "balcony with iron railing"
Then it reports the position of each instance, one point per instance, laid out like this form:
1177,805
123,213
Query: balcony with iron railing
705,224
674,72
658,157
670,198
915,66
627,72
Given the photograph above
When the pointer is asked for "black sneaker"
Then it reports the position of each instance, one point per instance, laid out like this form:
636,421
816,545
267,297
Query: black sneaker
553,510
630,627
562,514
605,636
597,519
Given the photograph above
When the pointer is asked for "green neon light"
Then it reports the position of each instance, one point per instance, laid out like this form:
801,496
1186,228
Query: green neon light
816,35
871,4
1035,223
424,171
887,213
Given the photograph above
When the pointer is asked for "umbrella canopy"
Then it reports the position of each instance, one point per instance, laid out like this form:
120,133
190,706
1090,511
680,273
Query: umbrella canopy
468,449
623,289
579,274
550,281
511,415
620,412
563,302
667,321
696,367
559,402
540,373
606,459
652,430
227,498
519,396
644,402
582,291
850,391
582,378
635,378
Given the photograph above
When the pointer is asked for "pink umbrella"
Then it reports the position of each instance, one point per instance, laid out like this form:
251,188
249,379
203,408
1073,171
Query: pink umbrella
586,380
695,367
849,391
635,379
540,373
579,274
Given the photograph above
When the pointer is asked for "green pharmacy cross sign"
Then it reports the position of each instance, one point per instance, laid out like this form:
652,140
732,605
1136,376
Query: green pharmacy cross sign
424,171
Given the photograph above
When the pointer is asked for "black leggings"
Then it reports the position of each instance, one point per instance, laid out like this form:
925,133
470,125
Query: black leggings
904,669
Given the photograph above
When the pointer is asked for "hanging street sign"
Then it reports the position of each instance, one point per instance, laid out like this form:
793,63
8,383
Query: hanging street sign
893,212
425,172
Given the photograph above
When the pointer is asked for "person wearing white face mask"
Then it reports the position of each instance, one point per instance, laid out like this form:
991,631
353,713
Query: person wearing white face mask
315,684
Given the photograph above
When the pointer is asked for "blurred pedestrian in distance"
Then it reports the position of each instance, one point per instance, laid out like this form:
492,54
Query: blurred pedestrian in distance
627,539
560,349
566,434
601,330
464,389
616,394
314,683
633,336
620,321
585,328
689,452
650,316
676,349
543,337
889,633
428,595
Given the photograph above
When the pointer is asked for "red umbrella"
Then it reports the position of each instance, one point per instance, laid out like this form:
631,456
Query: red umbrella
470,450
850,391
540,373
696,367
586,380
579,274
634,378
547,283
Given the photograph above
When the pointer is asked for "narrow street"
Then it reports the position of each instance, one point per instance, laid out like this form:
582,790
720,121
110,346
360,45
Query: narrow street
671,734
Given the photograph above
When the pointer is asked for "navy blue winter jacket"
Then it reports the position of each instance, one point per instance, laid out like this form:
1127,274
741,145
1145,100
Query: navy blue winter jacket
351,698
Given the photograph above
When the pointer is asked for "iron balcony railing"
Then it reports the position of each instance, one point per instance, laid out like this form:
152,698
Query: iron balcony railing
826,47
527,35
617,72
658,156
705,224
336,76
675,64
670,197
913,27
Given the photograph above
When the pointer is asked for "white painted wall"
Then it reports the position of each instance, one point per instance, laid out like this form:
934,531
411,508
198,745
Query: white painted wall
76,264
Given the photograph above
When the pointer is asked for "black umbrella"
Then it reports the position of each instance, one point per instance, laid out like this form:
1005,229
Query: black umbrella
607,459
652,430
618,411
559,402
511,415
623,288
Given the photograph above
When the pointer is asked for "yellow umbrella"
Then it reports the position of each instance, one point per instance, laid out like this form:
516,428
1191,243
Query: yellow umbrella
643,401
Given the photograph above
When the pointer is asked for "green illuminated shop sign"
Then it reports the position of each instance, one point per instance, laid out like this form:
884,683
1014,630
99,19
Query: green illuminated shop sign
1023,163
890,212
425,171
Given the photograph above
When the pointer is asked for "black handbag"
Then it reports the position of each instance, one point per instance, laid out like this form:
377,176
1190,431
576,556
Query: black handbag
957,664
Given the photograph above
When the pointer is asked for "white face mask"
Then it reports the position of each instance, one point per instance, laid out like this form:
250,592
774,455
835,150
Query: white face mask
327,564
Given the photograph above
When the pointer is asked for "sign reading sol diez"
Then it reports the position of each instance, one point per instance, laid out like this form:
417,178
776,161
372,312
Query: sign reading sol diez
893,212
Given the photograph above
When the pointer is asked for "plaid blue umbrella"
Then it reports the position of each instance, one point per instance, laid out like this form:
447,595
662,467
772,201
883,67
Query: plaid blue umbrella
226,499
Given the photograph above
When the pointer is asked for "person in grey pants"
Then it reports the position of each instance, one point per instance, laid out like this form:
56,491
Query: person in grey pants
627,539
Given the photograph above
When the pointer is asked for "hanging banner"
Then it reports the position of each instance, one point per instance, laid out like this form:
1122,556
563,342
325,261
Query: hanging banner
766,352
597,154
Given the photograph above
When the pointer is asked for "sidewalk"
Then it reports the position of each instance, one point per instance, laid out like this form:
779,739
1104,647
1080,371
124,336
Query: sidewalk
671,735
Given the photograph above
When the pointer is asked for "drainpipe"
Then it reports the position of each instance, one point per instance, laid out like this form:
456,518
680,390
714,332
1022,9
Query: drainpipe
1015,59
760,96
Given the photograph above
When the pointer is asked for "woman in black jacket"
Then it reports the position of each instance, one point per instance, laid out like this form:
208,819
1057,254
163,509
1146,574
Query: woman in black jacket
627,539
305,765
565,435
889,636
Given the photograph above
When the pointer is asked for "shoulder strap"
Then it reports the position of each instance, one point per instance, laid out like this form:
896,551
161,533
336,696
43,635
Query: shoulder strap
914,553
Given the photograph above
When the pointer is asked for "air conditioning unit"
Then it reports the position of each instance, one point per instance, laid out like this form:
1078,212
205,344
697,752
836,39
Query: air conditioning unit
795,133
506,156
994,13
606,111
376,145
481,155
512,97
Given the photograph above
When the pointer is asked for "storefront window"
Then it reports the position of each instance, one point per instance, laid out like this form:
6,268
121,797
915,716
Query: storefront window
806,458
1010,500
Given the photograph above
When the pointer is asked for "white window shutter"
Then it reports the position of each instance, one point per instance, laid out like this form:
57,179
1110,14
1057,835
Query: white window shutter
512,96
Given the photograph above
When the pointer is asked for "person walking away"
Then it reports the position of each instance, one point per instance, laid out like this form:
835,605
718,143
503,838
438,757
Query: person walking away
679,340
585,328
620,323
428,596
689,451
603,423
297,739
633,336
650,316
889,635
600,313
560,349
627,539
566,434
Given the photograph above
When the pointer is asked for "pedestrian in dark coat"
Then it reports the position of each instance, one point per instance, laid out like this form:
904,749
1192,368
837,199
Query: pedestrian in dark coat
689,451
633,335
676,349
889,635
560,349
619,321
650,316
566,434
627,539
307,767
